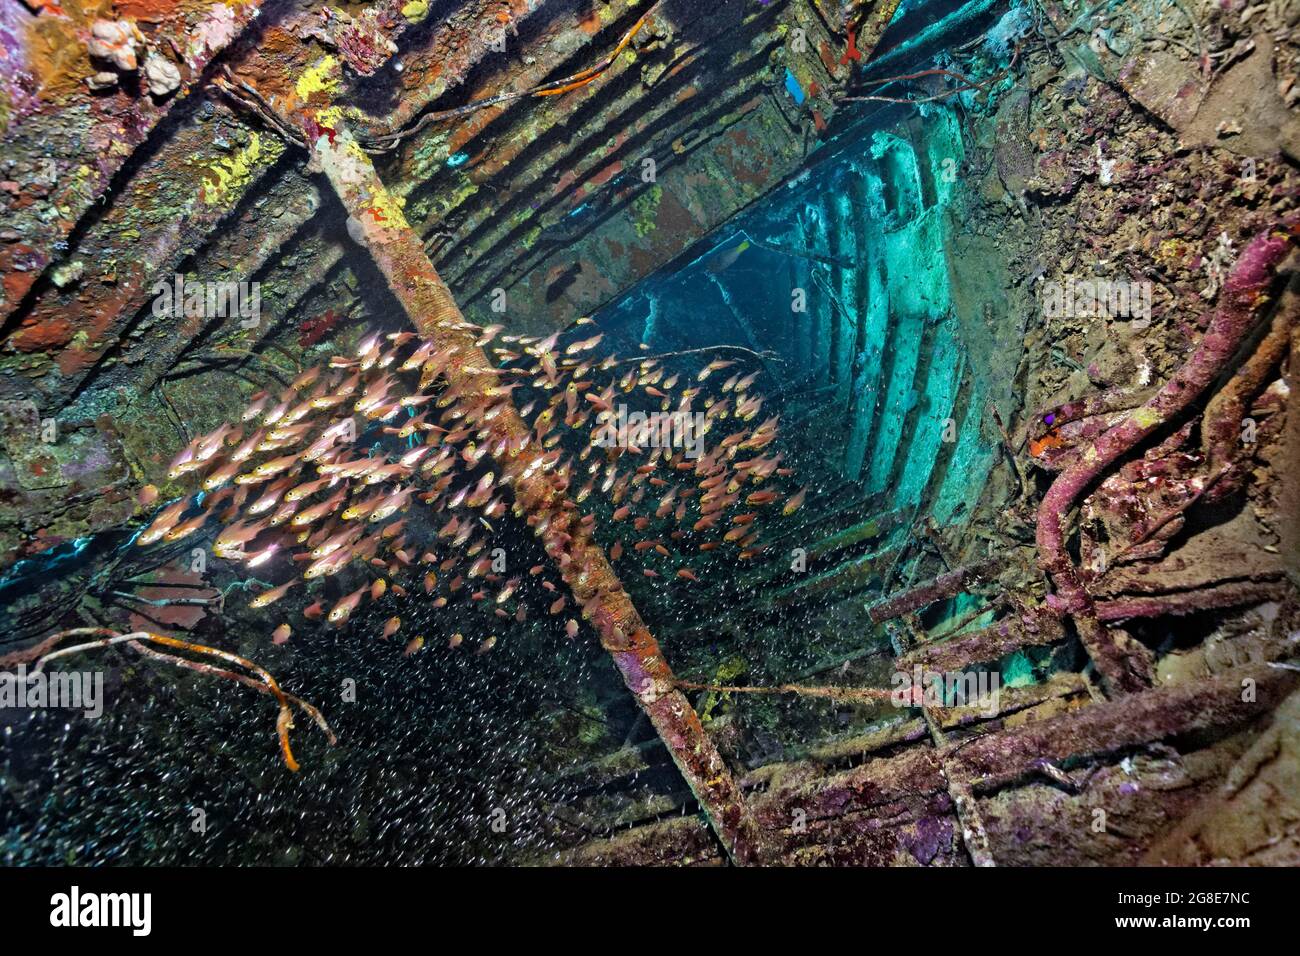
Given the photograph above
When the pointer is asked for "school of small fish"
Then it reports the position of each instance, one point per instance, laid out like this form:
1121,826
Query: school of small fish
323,477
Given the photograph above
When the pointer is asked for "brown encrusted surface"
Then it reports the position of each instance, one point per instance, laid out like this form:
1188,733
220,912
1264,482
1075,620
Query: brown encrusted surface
1252,815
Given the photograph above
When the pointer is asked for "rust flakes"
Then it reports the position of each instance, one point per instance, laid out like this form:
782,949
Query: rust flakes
41,336
151,11
471,127
605,175
828,58
748,162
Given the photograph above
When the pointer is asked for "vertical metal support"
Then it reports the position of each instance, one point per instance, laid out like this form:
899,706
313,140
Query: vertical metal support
974,836
539,496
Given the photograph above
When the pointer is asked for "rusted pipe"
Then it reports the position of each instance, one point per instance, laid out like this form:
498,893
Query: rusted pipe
1107,402
974,834
938,589
1031,628
539,495
1231,594
1221,428
1122,667
1004,757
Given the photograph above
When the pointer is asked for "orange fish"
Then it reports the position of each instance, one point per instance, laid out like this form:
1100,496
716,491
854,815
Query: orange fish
267,598
1051,439
164,523
343,609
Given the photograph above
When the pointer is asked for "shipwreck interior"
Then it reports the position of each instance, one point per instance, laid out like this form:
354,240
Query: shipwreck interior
971,326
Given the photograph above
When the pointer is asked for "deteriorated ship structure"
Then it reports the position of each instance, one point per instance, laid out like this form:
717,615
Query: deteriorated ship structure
626,432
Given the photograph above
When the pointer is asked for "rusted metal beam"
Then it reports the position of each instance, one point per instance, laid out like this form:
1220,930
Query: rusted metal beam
201,185
941,588
881,789
1230,700
853,575
1224,413
1231,594
1029,629
876,527
539,494
1289,498
452,49
872,26
974,834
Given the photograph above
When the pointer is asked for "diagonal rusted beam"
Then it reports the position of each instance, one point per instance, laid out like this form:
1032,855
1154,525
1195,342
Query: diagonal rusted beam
539,494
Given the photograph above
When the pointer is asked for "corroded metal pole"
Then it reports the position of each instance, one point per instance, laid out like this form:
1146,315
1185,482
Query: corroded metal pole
539,494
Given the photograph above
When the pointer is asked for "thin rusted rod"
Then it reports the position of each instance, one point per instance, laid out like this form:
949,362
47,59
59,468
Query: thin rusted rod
941,588
539,494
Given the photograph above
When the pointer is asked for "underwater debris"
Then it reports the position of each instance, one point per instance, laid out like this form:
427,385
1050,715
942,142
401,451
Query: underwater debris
539,494
1225,412
49,649
366,42
1013,26
387,141
118,42
1125,667
912,351
849,695
161,74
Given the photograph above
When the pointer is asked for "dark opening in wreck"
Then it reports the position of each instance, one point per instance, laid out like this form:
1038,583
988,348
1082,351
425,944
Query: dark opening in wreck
629,432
